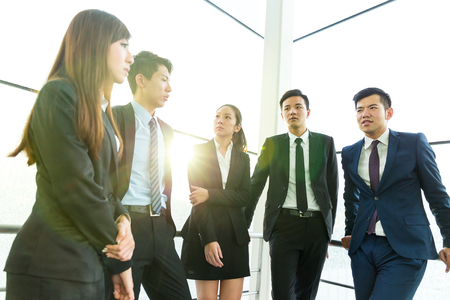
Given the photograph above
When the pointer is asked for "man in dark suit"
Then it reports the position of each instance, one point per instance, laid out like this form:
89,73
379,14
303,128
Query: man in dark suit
145,180
387,230
301,201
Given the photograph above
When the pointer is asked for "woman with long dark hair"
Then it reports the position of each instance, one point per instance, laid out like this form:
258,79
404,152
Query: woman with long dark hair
215,247
77,226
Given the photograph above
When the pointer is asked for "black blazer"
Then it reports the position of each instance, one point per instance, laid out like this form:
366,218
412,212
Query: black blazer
125,120
274,162
204,171
76,206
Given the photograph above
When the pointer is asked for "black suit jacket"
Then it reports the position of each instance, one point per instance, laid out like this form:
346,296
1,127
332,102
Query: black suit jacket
274,162
125,120
76,206
204,171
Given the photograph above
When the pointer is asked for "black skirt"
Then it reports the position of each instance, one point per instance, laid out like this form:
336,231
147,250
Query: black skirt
235,257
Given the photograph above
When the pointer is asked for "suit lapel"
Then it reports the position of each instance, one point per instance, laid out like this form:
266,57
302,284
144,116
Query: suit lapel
394,140
285,148
235,168
353,165
130,135
313,150
214,163
109,132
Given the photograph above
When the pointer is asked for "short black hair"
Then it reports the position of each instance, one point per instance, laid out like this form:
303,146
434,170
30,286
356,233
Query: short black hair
146,63
293,93
385,99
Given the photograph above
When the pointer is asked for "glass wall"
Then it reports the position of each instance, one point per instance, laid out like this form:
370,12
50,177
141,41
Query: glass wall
216,61
402,48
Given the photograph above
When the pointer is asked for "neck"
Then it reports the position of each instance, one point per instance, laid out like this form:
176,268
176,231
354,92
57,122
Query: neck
139,99
223,142
107,90
298,132
376,135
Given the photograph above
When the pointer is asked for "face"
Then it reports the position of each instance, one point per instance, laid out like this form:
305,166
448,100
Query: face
372,117
294,114
225,122
156,89
119,60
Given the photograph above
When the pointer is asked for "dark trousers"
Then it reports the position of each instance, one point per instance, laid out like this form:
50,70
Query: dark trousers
156,264
27,287
298,247
381,274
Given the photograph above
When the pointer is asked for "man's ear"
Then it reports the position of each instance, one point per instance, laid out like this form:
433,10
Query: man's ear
140,79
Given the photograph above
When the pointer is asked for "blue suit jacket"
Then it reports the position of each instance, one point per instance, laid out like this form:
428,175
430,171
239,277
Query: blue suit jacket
410,167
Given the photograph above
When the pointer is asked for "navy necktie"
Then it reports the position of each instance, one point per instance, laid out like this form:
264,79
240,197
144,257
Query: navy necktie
302,202
374,175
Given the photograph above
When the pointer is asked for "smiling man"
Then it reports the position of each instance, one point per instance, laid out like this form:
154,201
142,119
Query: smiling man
145,180
387,231
301,201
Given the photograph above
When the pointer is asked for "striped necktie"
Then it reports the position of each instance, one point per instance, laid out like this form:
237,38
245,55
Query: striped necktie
154,169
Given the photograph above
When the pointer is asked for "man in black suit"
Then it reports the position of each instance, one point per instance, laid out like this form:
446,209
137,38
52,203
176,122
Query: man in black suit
301,201
145,180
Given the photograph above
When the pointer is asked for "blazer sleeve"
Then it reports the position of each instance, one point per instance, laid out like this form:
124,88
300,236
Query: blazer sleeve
351,196
69,168
201,215
258,180
431,184
332,177
238,197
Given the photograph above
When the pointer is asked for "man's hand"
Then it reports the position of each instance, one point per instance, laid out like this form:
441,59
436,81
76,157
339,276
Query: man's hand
123,251
213,254
123,285
199,195
346,242
444,255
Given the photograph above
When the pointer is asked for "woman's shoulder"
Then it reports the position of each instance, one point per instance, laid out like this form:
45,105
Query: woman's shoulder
58,85
59,88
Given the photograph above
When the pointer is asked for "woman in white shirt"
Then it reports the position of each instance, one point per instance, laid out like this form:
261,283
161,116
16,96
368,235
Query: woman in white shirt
215,247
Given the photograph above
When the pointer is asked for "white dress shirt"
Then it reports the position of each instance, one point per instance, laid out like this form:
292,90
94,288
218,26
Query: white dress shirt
363,164
139,190
291,197
224,162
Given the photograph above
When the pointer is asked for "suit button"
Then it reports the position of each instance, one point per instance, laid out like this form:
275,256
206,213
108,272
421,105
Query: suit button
110,197
368,219
376,198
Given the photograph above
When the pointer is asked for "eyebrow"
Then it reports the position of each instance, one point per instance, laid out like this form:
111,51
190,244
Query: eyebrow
374,104
296,104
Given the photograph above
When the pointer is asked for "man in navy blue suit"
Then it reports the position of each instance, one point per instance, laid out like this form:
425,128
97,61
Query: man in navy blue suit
387,231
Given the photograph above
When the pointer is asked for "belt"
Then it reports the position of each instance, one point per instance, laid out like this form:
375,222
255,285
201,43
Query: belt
145,209
306,214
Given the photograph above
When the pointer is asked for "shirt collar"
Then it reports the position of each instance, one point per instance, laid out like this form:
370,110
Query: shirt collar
142,113
217,145
304,137
384,139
